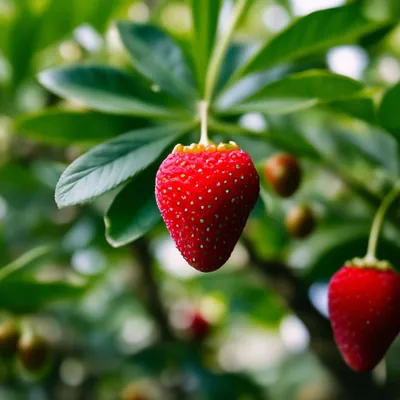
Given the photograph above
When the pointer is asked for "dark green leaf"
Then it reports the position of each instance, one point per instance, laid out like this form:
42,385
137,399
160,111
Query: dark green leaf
106,166
300,91
21,43
205,15
159,58
388,113
105,89
333,246
134,211
311,33
27,296
61,127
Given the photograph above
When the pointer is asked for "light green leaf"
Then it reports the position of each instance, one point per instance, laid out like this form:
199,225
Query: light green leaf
106,166
62,127
388,113
104,89
159,58
134,211
24,264
205,15
310,34
300,91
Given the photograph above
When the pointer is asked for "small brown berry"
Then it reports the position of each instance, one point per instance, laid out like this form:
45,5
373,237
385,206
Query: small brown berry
9,336
34,352
283,173
300,221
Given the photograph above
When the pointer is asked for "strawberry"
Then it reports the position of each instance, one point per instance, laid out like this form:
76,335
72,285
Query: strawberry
205,195
364,308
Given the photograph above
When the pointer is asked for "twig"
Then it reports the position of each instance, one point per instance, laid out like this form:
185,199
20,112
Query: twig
294,293
153,303
151,296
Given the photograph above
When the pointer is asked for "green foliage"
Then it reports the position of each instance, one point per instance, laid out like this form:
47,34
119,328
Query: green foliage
113,114
106,166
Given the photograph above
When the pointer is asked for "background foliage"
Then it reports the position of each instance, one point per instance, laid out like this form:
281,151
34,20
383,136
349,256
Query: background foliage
89,107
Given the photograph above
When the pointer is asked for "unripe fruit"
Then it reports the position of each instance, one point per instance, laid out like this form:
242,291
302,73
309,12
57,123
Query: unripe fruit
9,336
300,221
283,173
34,352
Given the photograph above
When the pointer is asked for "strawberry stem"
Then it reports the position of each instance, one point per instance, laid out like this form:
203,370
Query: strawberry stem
203,111
221,48
378,221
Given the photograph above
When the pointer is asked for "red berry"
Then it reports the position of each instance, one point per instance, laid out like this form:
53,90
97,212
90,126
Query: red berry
300,221
199,327
283,173
205,195
364,308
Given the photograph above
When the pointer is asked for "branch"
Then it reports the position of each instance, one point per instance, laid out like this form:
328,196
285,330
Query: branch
294,293
151,297
153,303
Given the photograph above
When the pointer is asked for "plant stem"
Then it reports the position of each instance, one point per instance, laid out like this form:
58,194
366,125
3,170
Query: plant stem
378,221
221,48
203,111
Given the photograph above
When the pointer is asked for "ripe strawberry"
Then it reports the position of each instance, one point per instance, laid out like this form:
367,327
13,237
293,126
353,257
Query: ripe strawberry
283,173
205,195
364,308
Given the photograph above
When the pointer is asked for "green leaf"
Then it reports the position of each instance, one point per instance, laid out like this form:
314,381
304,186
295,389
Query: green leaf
104,89
205,15
388,113
134,211
300,91
63,127
24,264
21,44
159,58
106,166
27,296
358,107
333,246
310,34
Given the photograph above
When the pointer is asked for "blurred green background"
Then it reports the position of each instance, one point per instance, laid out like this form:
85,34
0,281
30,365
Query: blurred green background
95,304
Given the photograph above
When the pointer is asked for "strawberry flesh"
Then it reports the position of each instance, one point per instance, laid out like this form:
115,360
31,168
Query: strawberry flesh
205,198
364,308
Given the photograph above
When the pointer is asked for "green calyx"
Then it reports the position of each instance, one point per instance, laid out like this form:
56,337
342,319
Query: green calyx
381,265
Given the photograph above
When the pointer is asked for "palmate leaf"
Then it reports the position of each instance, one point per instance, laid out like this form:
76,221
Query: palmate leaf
106,89
310,34
106,166
158,57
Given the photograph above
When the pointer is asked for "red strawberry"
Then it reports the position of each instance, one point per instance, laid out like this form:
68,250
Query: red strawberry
364,308
205,195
